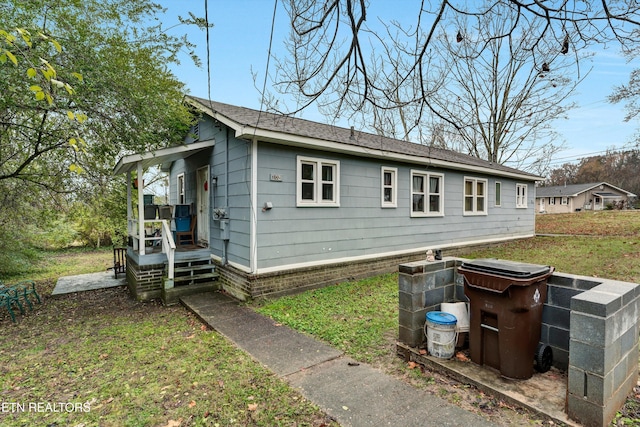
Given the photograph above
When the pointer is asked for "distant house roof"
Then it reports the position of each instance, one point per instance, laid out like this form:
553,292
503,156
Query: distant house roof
574,189
248,123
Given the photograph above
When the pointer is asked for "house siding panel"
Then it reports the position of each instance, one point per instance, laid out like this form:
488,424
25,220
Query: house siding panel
290,235
239,186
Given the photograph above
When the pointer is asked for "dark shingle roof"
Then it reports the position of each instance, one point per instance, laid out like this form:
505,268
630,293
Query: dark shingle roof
570,190
305,128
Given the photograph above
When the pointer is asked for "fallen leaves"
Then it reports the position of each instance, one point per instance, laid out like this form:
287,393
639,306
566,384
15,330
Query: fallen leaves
460,356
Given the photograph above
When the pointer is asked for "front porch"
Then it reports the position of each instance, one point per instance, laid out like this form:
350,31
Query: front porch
160,264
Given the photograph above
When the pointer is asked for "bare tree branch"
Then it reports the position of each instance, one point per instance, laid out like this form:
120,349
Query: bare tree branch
340,61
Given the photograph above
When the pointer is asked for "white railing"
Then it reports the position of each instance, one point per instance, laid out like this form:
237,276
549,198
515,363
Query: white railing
165,238
169,248
150,233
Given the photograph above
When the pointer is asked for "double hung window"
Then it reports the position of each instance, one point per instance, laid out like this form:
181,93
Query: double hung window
475,196
389,185
521,195
181,189
426,194
318,182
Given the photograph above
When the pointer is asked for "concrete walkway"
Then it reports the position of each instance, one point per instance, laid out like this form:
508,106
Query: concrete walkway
355,394
87,282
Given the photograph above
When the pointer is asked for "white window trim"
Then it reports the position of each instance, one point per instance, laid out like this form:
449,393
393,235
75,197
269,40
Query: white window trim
426,175
394,187
317,180
552,201
474,211
498,193
523,204
181,189
565,201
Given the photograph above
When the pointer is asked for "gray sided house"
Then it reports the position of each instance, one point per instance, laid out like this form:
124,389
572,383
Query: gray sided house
283,204
582,197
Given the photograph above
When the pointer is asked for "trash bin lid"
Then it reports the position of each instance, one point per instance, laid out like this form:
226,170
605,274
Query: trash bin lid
505,268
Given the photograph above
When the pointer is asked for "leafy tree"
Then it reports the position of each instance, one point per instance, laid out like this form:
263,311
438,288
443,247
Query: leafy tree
82,83
563,175
619,168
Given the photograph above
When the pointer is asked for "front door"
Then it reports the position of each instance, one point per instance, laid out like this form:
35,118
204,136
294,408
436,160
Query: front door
202,206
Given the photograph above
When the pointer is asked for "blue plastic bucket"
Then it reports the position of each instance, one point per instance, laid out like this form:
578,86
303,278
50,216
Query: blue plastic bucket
440,329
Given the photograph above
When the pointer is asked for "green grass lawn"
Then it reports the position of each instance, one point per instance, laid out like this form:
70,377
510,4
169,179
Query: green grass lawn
356,317
119,362
142,364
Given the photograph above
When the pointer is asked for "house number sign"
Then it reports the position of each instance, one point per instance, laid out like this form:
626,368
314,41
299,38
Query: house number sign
275,177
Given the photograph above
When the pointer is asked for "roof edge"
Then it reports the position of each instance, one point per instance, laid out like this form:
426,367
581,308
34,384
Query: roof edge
249,132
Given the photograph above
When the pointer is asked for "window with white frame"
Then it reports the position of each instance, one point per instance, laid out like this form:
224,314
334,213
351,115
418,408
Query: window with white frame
181,189
565,201
318,182
426,194
475,196
498,193
389,184
521,195
552,200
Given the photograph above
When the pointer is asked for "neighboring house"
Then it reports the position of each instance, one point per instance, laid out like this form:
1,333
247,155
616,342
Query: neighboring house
578,197
284,204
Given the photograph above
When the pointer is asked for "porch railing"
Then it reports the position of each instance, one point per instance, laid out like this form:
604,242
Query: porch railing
167,242
169,248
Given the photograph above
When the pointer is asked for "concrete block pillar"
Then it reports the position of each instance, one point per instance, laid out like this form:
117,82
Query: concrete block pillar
603,351
422,287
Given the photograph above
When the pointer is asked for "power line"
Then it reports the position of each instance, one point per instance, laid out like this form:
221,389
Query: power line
266,71
206,19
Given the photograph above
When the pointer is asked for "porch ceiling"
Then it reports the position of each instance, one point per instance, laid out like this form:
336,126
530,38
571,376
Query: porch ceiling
164,155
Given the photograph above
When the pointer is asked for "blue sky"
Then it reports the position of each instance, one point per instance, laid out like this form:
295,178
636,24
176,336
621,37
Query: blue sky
239,43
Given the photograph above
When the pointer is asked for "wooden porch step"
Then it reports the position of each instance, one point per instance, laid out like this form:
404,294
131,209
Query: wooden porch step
194,278
190,277
192,272
189,269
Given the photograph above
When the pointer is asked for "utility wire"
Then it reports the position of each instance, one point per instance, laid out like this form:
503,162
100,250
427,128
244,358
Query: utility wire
206,20
266,71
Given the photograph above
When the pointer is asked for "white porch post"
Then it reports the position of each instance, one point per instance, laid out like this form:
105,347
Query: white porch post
141,244
129,205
